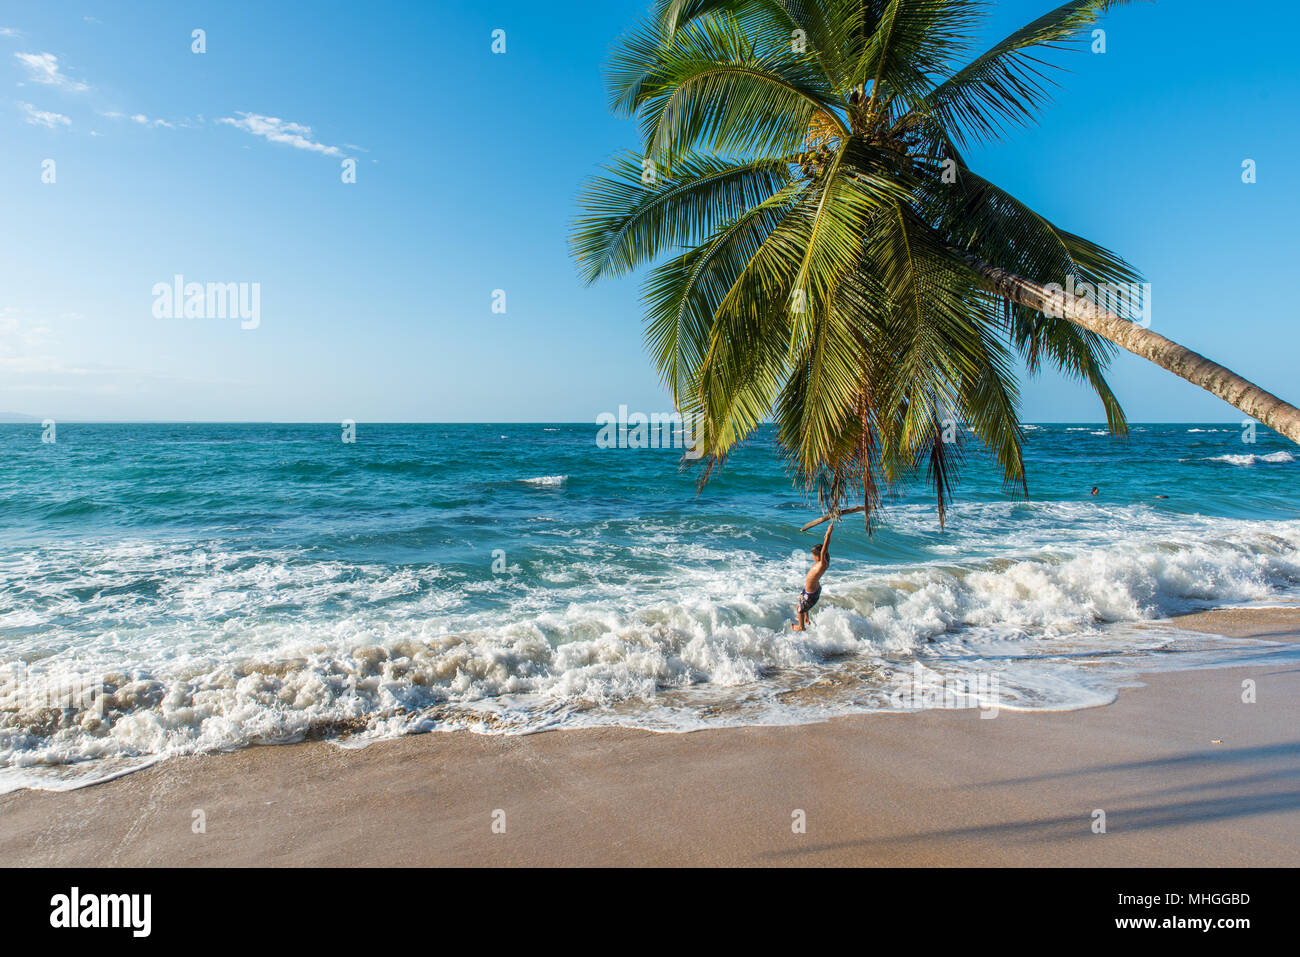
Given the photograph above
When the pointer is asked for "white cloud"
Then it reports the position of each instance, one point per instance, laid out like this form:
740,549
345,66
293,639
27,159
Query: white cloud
145,121
9,32
44,68
276,130
30,348
142,120
19,335
44,117
19,339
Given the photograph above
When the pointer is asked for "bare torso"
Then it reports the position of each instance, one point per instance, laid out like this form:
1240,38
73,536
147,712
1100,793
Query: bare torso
813,580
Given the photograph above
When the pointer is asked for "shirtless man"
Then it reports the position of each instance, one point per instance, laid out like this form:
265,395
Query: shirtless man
812,584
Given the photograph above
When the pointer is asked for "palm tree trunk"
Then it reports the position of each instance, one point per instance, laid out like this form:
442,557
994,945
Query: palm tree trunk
1281,417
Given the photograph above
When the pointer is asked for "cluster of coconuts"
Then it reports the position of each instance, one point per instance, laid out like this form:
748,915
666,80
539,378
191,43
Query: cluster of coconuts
815,160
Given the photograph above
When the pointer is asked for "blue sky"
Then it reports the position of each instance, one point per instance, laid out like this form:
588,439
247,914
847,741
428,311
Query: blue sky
376,296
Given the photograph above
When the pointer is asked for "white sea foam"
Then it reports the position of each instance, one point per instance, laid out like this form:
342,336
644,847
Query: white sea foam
1271,458
229,648
546,480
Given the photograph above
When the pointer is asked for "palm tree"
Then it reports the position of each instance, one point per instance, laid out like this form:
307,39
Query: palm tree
829,258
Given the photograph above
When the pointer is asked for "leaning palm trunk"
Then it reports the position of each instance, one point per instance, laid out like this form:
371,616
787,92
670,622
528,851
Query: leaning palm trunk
1280,416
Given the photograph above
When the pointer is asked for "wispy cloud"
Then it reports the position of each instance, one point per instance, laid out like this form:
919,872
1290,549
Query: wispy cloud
141,120
276,130
20,335
30,348
44,117
9,32
23,344
44,68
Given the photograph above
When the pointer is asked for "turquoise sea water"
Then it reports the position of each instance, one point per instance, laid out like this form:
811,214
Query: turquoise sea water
172,588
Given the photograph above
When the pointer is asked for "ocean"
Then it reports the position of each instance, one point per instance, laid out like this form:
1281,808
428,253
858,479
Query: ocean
171,589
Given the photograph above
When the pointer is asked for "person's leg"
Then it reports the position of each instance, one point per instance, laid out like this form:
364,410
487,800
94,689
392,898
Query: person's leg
801,619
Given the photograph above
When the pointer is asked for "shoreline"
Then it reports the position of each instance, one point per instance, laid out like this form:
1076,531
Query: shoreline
1186,772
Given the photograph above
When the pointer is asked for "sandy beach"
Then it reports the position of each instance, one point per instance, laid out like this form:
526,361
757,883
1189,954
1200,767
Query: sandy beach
1185,771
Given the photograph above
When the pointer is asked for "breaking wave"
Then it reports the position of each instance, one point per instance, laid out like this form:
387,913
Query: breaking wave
212,649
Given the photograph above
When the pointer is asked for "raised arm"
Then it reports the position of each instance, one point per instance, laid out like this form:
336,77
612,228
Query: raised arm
826,543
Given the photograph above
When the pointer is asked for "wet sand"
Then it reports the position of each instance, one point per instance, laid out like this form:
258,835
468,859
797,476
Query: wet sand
1185,771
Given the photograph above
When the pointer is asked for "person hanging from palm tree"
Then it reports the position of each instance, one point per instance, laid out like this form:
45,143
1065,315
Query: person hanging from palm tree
812,583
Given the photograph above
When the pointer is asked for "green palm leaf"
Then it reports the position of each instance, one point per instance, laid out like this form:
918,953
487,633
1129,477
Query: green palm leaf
1007,85
640,210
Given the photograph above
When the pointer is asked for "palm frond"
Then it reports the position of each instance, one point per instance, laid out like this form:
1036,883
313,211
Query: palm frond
1008,85
718,89
914,44
684,293
640,210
